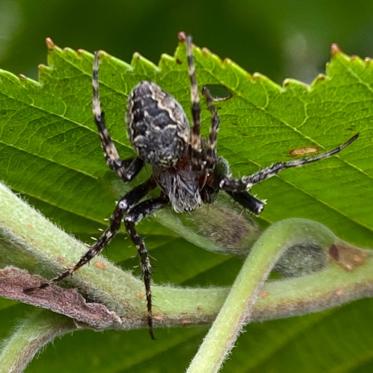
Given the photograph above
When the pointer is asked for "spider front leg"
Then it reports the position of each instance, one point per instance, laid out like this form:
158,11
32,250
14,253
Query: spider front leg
246,182
125,169
196,109
136,214
195,136
213,134
123,205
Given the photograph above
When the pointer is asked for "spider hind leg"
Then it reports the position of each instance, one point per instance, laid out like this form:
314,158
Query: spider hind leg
136,214
123,205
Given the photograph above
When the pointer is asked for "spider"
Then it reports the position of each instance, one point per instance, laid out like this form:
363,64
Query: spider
185,167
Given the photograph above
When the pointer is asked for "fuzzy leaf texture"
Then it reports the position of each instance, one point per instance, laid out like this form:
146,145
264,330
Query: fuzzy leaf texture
50,153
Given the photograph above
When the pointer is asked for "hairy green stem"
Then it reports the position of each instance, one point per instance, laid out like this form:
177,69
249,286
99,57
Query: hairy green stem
238,307
31,241
28,240
30,336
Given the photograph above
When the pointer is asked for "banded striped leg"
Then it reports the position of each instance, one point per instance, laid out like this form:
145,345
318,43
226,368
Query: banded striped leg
213,135
244,198
196,109
124,205
195,137
136,214
246,182
126,169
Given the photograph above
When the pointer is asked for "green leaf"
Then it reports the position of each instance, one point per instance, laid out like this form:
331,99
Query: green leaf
49,152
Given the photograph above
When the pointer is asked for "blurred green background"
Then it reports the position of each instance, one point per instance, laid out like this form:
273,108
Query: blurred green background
280,39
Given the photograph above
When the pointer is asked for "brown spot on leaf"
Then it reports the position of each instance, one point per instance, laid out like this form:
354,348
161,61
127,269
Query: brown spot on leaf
263,294
303,151
333,252
348,257
100,265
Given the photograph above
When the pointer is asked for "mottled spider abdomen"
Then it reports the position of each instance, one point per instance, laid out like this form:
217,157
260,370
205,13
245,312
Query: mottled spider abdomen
157,125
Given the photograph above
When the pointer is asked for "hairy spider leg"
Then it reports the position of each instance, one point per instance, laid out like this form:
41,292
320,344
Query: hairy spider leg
196,109
213,134
136,214
244,198
126,169
246,182
124,205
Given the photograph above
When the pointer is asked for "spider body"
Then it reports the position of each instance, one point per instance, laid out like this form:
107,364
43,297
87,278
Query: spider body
185,167
160,133
157,125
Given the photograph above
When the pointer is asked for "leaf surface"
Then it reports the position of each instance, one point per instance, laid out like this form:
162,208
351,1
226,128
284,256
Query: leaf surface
50,152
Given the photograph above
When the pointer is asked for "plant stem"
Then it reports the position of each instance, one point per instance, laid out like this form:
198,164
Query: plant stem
30,336
237,308
29,240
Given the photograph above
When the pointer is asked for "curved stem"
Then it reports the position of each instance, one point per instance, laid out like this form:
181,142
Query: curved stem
29,240
35,332
238,307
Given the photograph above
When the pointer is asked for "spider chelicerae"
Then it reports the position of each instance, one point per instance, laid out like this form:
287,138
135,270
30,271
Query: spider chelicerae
185,167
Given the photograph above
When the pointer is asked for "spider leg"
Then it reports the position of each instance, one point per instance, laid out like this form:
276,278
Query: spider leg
248,201
123,205
213,135
195,138
136,214
126,169
196,108
246,182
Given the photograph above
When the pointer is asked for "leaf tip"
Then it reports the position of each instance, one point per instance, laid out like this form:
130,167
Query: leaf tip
287,82
181,36
206,51
257,76
41,66
334,49
49,43
320,78
227,61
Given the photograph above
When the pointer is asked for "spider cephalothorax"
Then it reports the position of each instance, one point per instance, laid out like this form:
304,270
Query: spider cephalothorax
185,167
